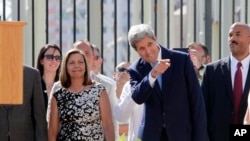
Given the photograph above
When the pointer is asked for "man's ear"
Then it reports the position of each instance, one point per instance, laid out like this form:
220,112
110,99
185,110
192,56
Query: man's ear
155,38
208,59
101,60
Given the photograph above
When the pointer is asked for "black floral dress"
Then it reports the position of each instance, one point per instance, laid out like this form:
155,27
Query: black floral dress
79,114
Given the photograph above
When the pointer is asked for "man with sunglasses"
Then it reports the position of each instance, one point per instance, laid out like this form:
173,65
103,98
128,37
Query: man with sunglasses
121,76
97,64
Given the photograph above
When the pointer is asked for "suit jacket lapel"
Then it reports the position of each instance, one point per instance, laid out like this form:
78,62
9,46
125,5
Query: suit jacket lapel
145,69
245,94
227,78
166,76
247,86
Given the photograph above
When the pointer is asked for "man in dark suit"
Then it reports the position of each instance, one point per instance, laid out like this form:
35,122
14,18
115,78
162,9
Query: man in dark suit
218,85
25,122
174,106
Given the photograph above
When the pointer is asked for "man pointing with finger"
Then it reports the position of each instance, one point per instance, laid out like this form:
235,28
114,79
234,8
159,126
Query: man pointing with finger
165,82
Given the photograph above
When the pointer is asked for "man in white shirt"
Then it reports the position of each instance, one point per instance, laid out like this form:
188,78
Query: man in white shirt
121,76
226,86
109,83
127,111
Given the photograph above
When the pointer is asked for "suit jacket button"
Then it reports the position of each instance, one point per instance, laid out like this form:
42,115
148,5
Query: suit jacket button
164,125
8,134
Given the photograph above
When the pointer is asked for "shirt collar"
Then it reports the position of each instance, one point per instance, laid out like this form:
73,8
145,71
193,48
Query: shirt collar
159,54
245,62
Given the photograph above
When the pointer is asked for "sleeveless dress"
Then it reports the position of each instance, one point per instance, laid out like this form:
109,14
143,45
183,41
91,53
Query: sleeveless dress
79,114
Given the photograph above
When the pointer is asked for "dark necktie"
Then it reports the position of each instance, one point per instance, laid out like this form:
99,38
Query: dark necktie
237,92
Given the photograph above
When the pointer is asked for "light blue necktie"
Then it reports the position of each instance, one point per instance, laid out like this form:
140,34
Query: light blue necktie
159,77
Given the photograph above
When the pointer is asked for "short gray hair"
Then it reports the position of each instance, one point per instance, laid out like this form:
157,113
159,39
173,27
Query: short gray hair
138,32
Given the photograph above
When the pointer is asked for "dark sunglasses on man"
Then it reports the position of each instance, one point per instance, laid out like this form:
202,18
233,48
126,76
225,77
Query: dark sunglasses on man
96,57
121,69
51,57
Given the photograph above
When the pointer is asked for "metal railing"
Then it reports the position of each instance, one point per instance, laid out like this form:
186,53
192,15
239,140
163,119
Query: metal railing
106,23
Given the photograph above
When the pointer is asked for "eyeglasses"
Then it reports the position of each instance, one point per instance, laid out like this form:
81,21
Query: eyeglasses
121,69
96,57
51,57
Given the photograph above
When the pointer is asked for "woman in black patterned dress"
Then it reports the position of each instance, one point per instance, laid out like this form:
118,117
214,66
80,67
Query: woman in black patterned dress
80,109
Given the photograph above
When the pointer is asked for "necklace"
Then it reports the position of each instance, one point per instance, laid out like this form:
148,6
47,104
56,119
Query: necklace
49,86
76,91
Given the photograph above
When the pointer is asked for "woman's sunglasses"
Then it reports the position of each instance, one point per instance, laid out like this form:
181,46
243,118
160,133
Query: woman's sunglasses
51,57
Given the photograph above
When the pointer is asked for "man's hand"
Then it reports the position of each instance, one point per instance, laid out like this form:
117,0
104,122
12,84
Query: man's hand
160,67
196,58
122,78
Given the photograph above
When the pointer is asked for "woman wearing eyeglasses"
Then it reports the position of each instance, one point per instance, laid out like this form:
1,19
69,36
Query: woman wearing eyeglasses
48,64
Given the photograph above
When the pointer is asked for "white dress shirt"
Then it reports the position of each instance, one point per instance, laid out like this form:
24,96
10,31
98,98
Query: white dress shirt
127,111
245,66
151,79
244,69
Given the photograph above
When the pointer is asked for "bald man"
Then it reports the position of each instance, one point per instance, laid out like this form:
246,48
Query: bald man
223,106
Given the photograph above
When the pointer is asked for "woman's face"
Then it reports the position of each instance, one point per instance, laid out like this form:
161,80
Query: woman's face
51,60
76,66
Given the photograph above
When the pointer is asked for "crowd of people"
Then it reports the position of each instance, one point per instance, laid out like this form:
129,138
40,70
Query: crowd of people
165,95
